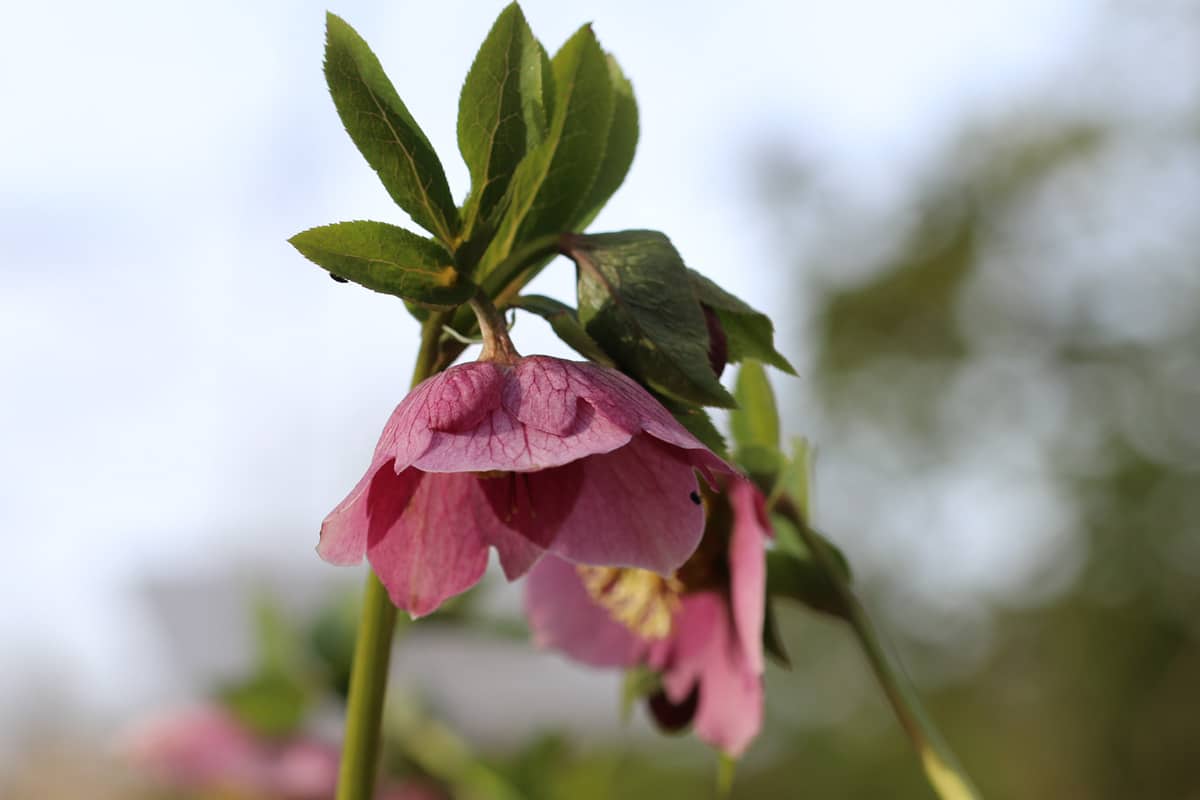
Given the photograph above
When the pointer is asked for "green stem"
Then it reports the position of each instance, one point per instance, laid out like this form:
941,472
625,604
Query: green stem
373,646
941,767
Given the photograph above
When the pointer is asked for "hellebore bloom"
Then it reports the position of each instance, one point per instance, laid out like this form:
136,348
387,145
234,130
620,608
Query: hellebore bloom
526,455
701,627
205,749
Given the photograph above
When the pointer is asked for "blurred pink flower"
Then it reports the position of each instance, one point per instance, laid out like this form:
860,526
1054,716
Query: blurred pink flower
206,749
534,455
701,628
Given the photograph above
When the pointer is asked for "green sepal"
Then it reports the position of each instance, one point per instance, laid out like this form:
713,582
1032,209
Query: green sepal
750,333
386,133
388,259
635,300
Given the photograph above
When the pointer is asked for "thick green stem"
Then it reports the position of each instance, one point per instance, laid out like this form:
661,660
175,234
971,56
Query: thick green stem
373,646
941,767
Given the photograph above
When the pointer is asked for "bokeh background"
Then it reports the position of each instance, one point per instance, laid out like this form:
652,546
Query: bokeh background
975,224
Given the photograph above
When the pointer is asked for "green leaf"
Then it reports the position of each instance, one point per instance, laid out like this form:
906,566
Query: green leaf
388,259
699,424
552,183
755,422
565,322
501,111
750,333
386,134
802,579
788,540
635,300
772,642
271,703
622,143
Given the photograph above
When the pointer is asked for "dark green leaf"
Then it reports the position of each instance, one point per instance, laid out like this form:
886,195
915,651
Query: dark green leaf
386,134
750,333
635,300
552,183
501,113
386,259
788,540
699,424
618,154
802,579
772,642
565,322
755,422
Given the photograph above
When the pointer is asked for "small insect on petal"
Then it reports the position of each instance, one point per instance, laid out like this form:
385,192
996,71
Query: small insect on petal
695,497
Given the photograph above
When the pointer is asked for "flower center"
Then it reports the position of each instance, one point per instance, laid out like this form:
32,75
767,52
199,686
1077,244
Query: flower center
641,600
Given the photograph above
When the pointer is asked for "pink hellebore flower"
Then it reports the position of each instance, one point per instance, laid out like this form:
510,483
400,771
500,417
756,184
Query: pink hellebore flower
208,749
700,628
525,455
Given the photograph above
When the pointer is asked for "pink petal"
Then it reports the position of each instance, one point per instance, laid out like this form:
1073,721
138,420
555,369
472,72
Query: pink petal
503,442
563,616
704,651
456,400
431,548
683,657
377,500
730,712
622,400
748,568
635,508
534,503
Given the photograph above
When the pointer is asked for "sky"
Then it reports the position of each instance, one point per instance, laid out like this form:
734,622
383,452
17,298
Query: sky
185,395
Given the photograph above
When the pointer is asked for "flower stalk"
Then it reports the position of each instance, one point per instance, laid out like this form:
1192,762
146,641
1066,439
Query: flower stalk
947,777
373,647
494,330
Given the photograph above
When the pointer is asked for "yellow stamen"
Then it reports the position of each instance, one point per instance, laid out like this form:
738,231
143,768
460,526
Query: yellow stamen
641,600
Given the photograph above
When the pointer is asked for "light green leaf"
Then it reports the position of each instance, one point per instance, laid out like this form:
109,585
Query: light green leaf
750,333
755,422
386,259
501,111
386,134
634,299
552,183
565,322
618,153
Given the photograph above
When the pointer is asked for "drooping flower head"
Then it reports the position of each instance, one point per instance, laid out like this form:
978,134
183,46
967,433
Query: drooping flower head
526,455
700,626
